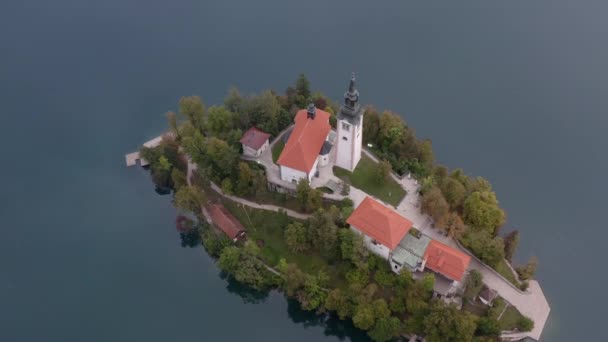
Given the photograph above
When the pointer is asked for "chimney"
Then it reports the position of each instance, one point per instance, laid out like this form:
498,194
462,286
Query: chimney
312,111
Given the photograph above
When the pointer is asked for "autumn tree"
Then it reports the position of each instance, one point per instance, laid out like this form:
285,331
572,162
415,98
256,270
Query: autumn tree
434,204
339,302
452,224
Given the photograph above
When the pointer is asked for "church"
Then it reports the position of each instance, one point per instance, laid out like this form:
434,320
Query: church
311,141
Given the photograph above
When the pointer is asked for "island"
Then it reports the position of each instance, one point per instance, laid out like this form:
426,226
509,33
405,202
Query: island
344,209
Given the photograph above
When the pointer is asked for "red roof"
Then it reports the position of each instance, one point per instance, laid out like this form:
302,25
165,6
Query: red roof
305,141
381,223
225,221
446,260
254,138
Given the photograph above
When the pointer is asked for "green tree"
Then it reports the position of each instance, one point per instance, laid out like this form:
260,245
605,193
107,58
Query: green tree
473,284
227,187
527,271
481,211
293,279
487,326
323,233
193,109
353,248
296,237
189,198
178,178
385,329
337,301
310,199
445,323
312,296
525,324
489,250
364,316
371,125
383,171
230,259
244,186
511,242
264,111
454,192
434,204
219,121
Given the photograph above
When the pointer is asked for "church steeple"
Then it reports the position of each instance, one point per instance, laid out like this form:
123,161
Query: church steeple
349,129
351,106
351,97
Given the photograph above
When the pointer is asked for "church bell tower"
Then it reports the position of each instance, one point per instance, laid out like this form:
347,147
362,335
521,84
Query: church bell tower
350,129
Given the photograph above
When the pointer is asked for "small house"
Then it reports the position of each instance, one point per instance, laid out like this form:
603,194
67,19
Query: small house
254,142
382,227
227,223
487,295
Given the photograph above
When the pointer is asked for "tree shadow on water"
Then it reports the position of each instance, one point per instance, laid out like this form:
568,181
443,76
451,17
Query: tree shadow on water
248,294
331,324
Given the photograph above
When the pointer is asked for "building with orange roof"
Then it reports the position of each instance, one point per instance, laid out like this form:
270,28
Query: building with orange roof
227,223
382,227
301,154
446,261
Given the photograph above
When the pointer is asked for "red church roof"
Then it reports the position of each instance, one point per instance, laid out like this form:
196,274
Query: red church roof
446,260
254,138
225,221
380,223
305,141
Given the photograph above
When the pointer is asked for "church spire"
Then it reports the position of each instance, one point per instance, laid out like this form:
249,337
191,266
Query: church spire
351,97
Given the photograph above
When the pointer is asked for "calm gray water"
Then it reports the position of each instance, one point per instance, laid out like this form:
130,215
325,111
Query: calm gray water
516,91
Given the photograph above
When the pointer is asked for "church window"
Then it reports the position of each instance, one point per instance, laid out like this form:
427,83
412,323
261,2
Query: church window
344,138
345,126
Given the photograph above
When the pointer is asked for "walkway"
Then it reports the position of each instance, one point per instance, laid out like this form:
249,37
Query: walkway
531,303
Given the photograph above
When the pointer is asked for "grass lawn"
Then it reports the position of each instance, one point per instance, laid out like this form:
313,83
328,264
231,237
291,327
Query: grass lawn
510,318
476,309
277,149
505,271
268,226
364,178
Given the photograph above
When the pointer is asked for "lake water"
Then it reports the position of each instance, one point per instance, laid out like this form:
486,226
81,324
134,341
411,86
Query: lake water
515,91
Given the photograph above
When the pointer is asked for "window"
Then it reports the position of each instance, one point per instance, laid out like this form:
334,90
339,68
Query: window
344,138
345,126
375,242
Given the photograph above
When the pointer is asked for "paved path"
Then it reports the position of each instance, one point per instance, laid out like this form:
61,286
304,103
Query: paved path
531,303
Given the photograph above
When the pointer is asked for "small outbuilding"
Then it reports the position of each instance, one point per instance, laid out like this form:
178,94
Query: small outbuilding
487,295
254,142
227,223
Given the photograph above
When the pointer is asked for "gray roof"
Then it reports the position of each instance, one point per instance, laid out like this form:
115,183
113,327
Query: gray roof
410,250
325,148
